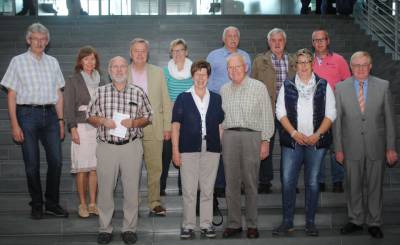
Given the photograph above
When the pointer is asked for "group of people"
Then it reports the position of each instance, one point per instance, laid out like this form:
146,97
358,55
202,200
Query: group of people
216,119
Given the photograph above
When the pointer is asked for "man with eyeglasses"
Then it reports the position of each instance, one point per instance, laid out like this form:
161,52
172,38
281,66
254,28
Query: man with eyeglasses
248,127
332,67
119,124
272,68
365,141
35,106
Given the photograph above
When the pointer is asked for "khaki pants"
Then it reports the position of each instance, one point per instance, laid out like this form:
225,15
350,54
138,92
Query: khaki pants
153,161
112,160
198,169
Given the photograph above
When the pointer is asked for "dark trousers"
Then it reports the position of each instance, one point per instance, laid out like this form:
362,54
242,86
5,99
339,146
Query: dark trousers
41,124
266,174
304,6
166,161
220,180
28,5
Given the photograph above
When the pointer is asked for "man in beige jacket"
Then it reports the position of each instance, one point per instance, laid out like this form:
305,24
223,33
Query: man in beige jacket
272,68
151,79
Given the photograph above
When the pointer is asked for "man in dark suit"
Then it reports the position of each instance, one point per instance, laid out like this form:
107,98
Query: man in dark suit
364,137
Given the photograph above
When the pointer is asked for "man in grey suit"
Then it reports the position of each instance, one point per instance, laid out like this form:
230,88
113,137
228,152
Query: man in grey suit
364,137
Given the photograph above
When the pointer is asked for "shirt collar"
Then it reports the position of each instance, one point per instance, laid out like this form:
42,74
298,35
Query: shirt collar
275,58
30,54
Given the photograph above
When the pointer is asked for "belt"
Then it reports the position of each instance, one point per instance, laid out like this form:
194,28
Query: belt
46,106
119,142
241,129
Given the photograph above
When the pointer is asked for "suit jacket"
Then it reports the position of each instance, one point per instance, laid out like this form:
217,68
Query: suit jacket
263,70
375,129
160,103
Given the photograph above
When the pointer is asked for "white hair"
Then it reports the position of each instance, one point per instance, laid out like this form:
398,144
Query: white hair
276,31
230,28
37,27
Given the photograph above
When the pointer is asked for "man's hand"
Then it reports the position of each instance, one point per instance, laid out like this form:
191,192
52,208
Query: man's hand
75,136
128,123
339,157
62,129
391,157
17,134
264,150
167,135
109,123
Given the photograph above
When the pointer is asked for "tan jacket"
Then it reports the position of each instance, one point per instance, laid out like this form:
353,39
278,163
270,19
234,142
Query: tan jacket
263,70
160,103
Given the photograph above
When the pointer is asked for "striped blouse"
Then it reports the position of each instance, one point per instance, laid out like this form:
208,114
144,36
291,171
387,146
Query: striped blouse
175,86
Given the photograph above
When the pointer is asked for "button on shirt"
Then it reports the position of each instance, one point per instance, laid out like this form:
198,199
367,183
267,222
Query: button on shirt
248,106
35,81
218,62
131,101
202,107
333,68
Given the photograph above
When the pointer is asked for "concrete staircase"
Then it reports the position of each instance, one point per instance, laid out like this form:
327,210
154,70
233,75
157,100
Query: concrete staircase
111,36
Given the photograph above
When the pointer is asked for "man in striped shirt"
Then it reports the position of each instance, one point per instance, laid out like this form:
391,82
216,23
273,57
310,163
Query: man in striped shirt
119,153
35,106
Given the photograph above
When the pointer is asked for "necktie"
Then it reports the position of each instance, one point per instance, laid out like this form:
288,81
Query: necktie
361,99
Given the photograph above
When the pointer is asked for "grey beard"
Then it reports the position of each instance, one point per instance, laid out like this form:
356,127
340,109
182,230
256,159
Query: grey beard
120,79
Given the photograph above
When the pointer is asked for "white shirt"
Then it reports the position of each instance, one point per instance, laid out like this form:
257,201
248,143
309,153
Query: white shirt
305,110
35,81
202,107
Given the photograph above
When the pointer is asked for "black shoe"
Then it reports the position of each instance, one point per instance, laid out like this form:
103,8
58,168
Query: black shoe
264,188
229,232
57,211
162,193
104,238
375,232
129,237
311,230
180,192
37,212
337,187
321,187
219,192
350,228
297,190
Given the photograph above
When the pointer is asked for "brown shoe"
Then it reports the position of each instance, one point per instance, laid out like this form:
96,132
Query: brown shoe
252,233
158,211
83,211
229,232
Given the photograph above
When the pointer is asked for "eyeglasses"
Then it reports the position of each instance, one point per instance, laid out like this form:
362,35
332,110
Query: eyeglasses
319,40
38,40
359,66
303,62
233,68
178,51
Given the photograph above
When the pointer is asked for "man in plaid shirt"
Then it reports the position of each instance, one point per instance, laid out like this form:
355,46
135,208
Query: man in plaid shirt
119,153
272,68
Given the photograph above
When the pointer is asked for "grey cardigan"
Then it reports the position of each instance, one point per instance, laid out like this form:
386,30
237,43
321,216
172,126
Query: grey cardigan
76,94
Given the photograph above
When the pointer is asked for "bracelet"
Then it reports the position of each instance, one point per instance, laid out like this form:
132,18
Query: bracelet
293,133
318,133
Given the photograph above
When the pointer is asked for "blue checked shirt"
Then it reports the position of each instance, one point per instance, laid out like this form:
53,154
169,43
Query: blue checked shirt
35,81
281,70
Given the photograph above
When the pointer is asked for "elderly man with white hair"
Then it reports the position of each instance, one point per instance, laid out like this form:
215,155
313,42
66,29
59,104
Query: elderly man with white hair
35,106
120,111
219,76
272,67
248,127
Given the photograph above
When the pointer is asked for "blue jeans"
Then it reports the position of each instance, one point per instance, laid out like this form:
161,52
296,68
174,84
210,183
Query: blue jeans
41,124
337,170
292,159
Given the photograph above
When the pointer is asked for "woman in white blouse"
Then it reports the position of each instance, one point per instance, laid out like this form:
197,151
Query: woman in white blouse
306,110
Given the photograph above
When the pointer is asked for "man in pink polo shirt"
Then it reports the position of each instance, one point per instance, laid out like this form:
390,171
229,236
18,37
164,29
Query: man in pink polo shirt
334,68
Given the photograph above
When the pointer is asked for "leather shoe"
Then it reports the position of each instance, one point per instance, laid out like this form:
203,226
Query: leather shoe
104,238
229,232
129,237
321,187
252,233
57,211
375,232
337,187
37,212
350,228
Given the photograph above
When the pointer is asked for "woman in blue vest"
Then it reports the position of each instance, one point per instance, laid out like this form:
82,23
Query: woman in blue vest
306,109
196,148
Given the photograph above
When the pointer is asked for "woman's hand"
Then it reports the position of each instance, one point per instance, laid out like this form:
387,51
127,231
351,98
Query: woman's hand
75,136
312,139
176,158
300,138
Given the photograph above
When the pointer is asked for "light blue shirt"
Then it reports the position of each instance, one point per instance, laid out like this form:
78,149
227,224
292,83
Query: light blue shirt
365,88
219,73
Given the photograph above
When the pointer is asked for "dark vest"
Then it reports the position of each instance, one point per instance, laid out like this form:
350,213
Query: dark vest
319,102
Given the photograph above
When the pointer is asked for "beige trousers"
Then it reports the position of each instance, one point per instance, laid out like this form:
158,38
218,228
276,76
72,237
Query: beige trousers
153,161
